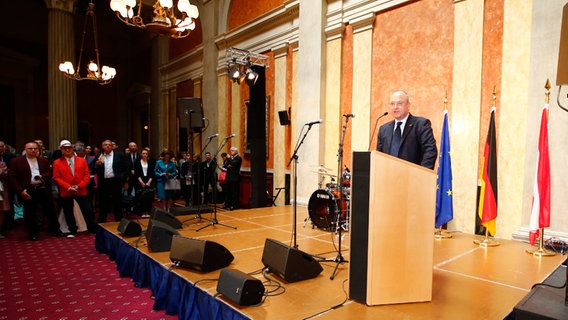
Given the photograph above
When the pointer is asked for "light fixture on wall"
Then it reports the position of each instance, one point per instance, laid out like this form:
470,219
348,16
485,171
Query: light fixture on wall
102,75
165,20
240,63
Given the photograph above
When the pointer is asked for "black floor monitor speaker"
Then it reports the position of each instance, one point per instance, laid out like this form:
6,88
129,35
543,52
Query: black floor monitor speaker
166,217
159,236
289,263
240,287
129,228
201,255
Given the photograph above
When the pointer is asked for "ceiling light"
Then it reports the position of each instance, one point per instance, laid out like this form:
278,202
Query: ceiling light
165,20
106,73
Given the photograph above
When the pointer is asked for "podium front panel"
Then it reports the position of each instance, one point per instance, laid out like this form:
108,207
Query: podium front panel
392,230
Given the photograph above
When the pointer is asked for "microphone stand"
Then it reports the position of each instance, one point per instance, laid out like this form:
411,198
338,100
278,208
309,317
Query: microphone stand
214,221
294,158
339,205
375,130
198,182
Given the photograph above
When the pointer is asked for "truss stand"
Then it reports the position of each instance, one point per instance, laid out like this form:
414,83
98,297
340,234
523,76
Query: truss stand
198,183
214,221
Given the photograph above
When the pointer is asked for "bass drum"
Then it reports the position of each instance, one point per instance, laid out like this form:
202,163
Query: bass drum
322,208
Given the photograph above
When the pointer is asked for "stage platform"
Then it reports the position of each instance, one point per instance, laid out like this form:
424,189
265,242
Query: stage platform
469,282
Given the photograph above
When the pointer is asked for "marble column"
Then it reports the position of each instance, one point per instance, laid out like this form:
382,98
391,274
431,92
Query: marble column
310,87
62,93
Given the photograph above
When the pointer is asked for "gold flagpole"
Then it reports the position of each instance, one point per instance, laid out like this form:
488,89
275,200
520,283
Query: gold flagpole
540,251
440,233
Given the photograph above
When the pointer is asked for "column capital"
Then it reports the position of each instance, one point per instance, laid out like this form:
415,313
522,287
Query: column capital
63,5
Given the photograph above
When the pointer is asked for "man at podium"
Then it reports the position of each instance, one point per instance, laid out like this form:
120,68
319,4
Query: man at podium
407,137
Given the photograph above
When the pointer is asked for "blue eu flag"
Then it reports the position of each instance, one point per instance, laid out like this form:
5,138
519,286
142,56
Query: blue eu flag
444,205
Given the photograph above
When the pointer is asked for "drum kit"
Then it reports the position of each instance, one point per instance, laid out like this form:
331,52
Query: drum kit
328,206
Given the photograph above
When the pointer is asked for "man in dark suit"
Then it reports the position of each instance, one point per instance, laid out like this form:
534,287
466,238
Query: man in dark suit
6,156
407,137
112,168
30,177
234,162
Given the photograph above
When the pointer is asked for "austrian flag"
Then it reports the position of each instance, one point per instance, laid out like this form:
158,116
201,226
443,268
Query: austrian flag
540,214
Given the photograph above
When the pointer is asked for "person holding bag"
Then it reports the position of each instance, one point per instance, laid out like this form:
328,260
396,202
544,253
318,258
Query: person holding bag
165,172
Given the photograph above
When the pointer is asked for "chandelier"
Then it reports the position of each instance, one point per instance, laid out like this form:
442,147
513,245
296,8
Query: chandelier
240,62
106,73
165,21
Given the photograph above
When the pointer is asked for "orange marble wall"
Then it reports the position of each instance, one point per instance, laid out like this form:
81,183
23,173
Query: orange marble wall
491,68
346,98
184,89
413,51
183,45
242,11
269,74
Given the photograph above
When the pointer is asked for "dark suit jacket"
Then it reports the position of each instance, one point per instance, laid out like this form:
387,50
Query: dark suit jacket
234,168
418,143
139,173
20,174
120,166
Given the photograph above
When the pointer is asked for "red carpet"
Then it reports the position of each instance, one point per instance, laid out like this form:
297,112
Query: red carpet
65,278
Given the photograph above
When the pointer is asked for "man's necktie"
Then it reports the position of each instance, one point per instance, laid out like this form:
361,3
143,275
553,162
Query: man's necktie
396,140
70,161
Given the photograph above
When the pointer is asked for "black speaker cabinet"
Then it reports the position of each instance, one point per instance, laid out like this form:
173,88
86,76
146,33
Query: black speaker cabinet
129,228
283,117
289,263
159,236
240,287
201,255
190,113
166,217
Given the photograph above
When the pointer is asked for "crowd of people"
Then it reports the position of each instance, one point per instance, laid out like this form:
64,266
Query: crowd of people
106,181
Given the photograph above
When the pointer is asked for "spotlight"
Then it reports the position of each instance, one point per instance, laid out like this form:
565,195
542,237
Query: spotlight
251,77
234,73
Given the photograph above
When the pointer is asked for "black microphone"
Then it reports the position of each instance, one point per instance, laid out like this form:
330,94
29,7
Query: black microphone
213,136
347,115
347,169
375,129
229,137
314,122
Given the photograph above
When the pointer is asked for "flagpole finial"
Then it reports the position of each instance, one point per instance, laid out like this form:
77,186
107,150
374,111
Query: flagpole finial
547,94
446,101
494,95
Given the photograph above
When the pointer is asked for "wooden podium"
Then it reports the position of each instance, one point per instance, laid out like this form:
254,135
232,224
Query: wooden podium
393,205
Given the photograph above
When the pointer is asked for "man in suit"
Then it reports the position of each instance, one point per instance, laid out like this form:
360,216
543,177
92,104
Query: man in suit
71,173
234,162
112,170
29,176
132,156
6,156
407,137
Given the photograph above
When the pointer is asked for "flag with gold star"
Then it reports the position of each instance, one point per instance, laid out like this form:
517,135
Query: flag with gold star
444,203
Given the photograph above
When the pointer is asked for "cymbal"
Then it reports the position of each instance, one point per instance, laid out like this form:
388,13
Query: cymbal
325,173
321,167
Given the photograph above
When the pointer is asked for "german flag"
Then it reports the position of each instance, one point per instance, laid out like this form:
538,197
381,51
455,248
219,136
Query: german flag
488,196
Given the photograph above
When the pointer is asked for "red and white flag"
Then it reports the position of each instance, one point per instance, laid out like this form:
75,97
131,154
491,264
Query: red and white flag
540,214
